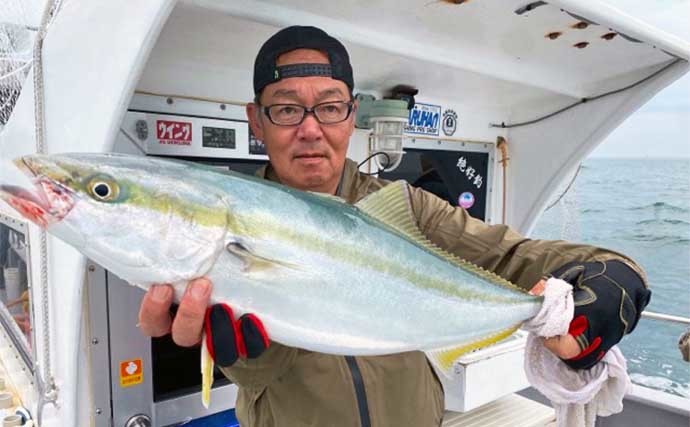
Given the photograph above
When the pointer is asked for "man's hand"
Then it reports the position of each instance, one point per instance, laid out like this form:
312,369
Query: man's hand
227,338
609,299
564,346
155,319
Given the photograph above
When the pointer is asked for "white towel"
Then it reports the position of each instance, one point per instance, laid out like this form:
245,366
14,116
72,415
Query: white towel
578,396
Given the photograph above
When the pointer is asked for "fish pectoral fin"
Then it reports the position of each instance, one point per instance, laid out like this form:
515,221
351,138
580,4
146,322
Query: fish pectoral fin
443,358
253,262
207,365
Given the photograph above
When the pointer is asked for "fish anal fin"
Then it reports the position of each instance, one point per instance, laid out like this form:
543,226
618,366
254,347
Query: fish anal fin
444,358
392,206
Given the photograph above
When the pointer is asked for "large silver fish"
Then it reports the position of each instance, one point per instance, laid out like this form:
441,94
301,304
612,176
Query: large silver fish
321,274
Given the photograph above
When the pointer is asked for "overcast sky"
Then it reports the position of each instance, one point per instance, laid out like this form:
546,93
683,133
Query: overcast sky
661,128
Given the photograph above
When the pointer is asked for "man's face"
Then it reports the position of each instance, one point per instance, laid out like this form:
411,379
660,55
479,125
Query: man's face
311,155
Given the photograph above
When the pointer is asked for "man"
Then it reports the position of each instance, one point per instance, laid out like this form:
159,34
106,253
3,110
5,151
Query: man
304,113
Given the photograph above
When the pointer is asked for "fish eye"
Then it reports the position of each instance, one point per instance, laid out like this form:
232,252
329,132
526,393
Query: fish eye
102,190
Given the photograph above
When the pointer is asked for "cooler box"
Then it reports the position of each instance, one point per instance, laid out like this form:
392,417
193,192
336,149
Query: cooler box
487,374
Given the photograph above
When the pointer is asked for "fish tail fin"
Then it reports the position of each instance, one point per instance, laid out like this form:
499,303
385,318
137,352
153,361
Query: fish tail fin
207,365
443,358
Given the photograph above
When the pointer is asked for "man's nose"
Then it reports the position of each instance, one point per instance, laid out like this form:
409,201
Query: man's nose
309,129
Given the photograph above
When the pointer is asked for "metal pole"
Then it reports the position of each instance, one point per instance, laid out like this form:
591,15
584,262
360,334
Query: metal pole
666,317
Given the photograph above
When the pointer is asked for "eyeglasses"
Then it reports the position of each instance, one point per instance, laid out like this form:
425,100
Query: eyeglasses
326,113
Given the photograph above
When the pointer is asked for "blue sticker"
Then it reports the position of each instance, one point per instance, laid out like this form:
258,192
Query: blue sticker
424,119
466,200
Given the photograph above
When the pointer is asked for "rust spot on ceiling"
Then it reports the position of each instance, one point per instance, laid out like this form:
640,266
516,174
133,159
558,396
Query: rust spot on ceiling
554,35
608,36
581,45
580,25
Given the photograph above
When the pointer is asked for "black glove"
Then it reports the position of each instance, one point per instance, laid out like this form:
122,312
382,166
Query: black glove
609,299
227,338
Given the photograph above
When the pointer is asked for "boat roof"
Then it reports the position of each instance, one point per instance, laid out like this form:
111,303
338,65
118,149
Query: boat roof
505,51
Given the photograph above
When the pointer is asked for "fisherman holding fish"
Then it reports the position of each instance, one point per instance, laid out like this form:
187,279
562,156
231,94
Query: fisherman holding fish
303,111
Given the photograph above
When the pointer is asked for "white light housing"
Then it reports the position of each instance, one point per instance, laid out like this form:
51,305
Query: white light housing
387,137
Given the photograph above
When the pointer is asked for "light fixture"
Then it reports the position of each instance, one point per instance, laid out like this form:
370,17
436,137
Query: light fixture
387,119
387,138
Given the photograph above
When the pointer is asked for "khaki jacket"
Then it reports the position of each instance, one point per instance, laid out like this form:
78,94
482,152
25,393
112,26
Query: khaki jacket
292,387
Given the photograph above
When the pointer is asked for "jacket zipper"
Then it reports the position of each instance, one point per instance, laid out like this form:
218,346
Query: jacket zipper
359,391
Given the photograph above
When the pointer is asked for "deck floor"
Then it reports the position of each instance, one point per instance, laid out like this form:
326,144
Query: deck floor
512,410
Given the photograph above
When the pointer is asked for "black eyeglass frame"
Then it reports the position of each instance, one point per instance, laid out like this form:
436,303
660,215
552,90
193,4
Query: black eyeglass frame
267,111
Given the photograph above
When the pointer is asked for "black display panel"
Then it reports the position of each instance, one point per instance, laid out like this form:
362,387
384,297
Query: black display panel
255,146
459,177
218,137
176,369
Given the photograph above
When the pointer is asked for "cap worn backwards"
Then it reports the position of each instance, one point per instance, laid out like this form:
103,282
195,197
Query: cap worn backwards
300,37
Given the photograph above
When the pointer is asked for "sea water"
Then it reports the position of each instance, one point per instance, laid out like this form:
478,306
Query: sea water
639,207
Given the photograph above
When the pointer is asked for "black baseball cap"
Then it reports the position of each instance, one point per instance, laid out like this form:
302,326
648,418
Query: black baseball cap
301,37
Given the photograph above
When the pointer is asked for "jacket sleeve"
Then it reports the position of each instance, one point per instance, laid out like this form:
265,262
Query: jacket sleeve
498,248
257,373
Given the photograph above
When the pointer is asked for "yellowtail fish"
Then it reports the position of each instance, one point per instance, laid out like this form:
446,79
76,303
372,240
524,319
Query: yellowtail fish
321,274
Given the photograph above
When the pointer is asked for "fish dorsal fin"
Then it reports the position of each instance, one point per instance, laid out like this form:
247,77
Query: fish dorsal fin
327,196
391,205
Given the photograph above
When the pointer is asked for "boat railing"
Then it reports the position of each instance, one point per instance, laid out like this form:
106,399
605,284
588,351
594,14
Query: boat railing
666,317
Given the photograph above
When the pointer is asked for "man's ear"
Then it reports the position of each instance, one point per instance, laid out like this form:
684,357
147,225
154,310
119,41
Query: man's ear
255,122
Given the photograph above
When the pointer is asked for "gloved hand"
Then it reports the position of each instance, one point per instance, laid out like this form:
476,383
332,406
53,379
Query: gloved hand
609,299
227,338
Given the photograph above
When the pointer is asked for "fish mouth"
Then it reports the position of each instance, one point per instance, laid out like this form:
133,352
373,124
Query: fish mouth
47,205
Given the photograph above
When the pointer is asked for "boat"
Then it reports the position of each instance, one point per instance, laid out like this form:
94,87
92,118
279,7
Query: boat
517,91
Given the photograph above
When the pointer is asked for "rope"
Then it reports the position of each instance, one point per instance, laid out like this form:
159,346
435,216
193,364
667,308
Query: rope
46,382
570,184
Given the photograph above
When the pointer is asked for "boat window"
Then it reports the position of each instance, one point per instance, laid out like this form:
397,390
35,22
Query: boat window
459,177
15,310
